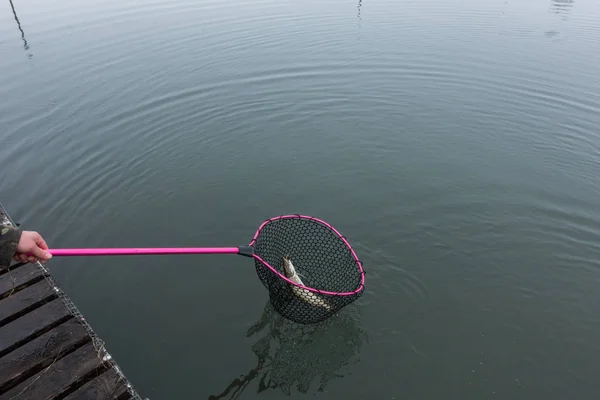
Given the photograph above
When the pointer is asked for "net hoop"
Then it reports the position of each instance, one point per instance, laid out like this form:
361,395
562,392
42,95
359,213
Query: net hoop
359,289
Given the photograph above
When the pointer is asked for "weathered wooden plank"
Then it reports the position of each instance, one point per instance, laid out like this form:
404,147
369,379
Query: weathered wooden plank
31,325
13,265
14,280
57,377
24,300
107,386
40,353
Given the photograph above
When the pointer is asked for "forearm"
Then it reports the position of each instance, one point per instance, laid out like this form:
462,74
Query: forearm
9,239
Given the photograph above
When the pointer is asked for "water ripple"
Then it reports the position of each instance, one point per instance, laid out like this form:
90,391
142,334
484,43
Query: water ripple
385,273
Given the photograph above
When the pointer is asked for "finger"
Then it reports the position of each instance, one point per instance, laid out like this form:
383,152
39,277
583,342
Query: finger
41,243
32,259
22,258
40,253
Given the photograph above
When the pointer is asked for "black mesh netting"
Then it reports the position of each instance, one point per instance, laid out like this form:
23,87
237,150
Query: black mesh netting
322,260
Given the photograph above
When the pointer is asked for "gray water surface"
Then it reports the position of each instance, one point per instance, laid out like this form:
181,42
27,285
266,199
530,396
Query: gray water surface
455,144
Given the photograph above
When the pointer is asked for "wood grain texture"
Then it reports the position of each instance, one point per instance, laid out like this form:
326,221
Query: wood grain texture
38,354
58,377
107,386
16,279
19,331
24,300
13,265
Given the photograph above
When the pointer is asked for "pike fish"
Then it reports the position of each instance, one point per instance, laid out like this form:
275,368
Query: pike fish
306,295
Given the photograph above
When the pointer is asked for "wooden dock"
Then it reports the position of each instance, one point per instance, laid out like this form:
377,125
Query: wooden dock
47,349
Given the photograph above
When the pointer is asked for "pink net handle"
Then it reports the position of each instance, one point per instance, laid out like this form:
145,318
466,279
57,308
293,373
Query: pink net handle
142,251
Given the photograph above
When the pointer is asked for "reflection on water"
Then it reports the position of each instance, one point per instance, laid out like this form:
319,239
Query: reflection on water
359,17
25,44
293,354
562,6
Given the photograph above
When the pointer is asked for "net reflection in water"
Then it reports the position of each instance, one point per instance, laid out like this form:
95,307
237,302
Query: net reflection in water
297,355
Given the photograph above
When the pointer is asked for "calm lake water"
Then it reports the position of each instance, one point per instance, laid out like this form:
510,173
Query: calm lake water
456,145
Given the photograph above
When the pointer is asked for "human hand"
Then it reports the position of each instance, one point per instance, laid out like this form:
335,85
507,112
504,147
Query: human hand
31,248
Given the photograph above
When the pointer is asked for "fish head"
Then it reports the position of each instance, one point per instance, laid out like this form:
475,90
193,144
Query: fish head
288,268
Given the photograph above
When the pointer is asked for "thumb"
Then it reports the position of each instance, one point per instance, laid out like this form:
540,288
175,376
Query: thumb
40,253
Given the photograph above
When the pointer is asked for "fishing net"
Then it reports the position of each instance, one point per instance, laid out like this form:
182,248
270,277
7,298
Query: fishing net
331,273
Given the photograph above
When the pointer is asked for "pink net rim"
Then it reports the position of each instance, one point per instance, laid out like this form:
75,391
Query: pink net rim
297,216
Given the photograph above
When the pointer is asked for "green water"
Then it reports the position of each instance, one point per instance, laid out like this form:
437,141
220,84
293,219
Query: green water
455,144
